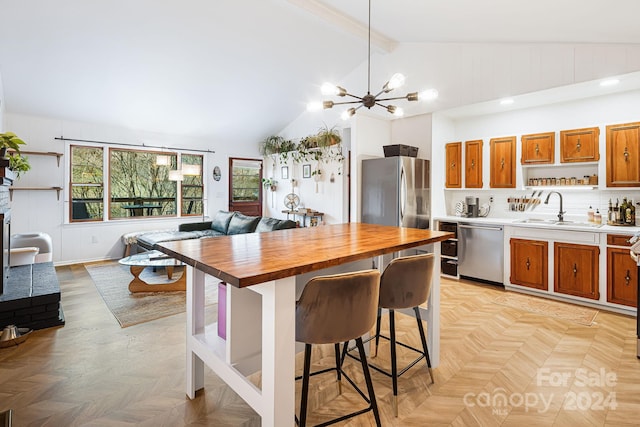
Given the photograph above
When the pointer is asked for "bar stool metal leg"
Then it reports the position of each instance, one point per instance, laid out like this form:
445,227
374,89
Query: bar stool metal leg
305,385
424,343
338,367
378,331
367,378
394,366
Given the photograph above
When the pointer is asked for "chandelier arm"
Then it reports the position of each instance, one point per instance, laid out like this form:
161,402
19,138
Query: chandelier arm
391,99
348,102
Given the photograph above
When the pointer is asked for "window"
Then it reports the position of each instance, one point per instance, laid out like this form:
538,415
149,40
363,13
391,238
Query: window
245,186
87,189
192,188
138,184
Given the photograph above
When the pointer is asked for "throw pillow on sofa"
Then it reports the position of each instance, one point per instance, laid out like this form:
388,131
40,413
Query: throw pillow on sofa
241,224
220,221
271,224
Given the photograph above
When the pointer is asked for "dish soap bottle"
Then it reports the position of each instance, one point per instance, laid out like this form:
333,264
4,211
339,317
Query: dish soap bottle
590,214
597,217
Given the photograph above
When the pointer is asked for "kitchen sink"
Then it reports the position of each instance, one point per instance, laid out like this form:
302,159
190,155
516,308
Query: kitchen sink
553,222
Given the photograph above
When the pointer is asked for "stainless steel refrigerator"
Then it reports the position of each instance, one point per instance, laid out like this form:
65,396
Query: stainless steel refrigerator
395,191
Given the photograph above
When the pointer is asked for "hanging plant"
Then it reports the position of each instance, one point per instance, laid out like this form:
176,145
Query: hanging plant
327,137
9,140
19,164
270,183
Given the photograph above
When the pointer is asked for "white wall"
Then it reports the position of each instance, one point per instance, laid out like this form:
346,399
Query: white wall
2,106
42,211
589,112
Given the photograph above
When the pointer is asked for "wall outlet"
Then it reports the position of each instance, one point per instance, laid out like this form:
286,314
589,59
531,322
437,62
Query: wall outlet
490,199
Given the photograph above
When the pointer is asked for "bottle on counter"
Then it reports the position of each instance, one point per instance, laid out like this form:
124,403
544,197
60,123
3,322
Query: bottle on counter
590,214
616,213
597,217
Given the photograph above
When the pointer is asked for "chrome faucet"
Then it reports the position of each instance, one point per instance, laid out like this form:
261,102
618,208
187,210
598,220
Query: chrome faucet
561,213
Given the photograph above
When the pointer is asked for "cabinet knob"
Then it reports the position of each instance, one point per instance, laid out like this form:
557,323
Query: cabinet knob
528,263
627,278
575,270
626,154
502,163
473,163
578,145
537,148
453,165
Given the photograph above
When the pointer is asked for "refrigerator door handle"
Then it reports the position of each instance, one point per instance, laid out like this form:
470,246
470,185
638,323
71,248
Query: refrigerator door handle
403,194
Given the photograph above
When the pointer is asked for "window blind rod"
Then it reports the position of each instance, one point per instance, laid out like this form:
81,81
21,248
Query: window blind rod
62,138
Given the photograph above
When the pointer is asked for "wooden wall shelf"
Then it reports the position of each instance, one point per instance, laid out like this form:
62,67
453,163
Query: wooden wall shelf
42,153
12,189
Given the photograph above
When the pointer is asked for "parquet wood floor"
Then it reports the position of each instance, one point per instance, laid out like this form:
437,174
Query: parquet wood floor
92,372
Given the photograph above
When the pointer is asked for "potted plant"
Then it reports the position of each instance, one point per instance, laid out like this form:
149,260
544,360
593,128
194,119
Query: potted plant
18,164
286,146
270,183
271,145
9,140
327,137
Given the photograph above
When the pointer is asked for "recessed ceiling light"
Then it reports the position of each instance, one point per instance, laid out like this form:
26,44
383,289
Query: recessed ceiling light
609,82
506,101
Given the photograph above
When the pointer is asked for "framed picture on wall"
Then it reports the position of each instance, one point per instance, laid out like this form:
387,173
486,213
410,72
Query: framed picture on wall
306,171
284,172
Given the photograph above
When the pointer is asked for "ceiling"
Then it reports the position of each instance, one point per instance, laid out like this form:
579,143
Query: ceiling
236,71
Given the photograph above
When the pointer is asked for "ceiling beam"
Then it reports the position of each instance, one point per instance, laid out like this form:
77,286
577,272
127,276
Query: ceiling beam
346,23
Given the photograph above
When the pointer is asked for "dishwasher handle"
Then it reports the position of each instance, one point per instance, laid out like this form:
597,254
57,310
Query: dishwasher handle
480,227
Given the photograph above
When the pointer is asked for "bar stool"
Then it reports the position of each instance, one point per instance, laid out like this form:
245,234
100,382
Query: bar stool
331,310
405,283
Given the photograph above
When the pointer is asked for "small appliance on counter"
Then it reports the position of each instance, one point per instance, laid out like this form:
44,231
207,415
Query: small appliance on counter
471,204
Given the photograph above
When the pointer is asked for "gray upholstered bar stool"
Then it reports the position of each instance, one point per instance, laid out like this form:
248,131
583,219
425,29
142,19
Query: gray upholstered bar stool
335,309
405,283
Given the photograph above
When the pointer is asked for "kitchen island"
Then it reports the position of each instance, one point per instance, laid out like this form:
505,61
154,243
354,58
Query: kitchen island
260,307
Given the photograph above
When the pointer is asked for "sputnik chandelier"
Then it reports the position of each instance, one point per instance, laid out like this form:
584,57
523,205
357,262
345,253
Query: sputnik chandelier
369,100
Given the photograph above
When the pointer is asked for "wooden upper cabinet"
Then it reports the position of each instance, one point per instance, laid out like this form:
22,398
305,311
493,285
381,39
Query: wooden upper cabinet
473,164
503,162
580,145
453,159
529,263
622,277
623,155
576,270
538,148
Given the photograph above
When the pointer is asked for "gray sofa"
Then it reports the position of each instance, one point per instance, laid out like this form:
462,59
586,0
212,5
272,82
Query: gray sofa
223,224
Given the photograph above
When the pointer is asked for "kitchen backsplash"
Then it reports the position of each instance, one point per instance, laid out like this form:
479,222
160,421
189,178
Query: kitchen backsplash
575,202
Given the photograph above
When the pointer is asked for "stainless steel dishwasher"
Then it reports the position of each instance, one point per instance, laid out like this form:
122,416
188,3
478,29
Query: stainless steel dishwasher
481,252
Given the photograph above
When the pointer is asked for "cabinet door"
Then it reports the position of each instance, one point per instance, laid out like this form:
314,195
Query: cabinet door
529,263
538,148
576,270
473,164
453,155
503,162
580,145
623,155
622,277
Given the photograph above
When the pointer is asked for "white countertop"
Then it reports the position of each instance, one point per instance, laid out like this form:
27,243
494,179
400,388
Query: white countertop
609,229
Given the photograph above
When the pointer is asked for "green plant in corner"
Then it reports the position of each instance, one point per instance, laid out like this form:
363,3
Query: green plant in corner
19,164
9,140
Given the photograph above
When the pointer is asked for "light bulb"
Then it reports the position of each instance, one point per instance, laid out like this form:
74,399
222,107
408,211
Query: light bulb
399,112
396,81
428,95
329,89
314,106
346,114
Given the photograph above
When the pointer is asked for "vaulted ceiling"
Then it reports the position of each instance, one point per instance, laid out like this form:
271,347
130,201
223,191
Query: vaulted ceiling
239,70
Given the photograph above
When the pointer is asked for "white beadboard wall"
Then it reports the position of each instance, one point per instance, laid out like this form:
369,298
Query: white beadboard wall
590,112
41,211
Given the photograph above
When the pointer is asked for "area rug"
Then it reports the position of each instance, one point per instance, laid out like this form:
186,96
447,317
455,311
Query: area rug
573,313
112,281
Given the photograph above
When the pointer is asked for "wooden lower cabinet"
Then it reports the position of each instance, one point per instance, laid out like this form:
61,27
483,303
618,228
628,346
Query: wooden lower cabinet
576,270
622,277
529,263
